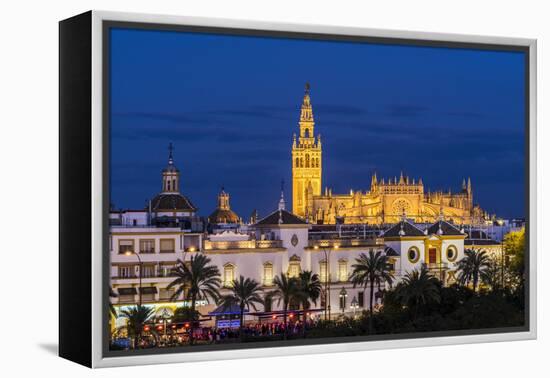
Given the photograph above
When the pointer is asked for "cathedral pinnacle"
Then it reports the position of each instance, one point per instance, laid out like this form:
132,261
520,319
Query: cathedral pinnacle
170,157
282,204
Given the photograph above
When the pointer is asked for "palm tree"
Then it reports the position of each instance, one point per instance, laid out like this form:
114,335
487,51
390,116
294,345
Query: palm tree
112,308
369,271
137,316
493,275
309,287
418,288
286,290
245,293
197,280
472,266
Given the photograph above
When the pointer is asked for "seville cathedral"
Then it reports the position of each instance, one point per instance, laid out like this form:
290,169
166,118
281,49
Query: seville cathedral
387,200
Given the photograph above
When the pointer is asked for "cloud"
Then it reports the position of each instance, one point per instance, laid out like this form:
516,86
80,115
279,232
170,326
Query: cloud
335,109
400,110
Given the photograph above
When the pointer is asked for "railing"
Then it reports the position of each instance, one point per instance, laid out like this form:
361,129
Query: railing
436,266
342,243
242,244
267,282
145,276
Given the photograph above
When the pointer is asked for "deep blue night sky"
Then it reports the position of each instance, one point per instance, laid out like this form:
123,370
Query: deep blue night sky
231,103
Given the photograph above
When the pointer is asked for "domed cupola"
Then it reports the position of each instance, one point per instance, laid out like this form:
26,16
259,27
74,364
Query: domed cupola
223,213
170,199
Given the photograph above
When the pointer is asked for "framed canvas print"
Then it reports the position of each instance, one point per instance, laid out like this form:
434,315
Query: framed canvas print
235,189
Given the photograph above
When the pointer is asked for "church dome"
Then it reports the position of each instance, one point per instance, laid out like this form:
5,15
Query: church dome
172,202
223,216
223,213
170,199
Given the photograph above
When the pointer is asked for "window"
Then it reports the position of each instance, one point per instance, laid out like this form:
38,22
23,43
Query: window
342,270
165,270
126,271
148,293
268,274
297,162
452,253
293,269
148,271
147,246
307,161
125,246
323,271
166,295
167,245
413,254
126,294
228,275
361,299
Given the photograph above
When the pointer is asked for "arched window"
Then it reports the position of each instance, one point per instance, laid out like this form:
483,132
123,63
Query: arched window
323,273
297,162
342,270
301,162
228,275
268,274
306,133
168,185
294,268
307,161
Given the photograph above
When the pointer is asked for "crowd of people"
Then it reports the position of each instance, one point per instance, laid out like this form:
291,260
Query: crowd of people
264,329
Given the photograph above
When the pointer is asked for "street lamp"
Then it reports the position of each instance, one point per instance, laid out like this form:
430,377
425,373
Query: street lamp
343,296
327,278
129,253
165,317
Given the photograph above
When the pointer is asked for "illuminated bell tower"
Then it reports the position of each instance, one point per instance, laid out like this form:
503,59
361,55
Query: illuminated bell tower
306,159
170,175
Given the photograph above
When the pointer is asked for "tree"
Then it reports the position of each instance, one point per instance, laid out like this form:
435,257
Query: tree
185,314
493,275
418,288
112,308
368,271
137,316
472,266
514,247
245,293
286,290
309,289
197,280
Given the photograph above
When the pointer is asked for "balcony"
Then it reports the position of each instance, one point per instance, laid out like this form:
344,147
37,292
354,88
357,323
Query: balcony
436,266
241,244
343,243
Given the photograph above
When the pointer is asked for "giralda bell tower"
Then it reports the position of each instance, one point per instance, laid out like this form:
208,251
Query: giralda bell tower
306,160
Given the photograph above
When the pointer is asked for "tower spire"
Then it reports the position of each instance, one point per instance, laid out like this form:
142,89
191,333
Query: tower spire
306,158
282,204
170,156
170,174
